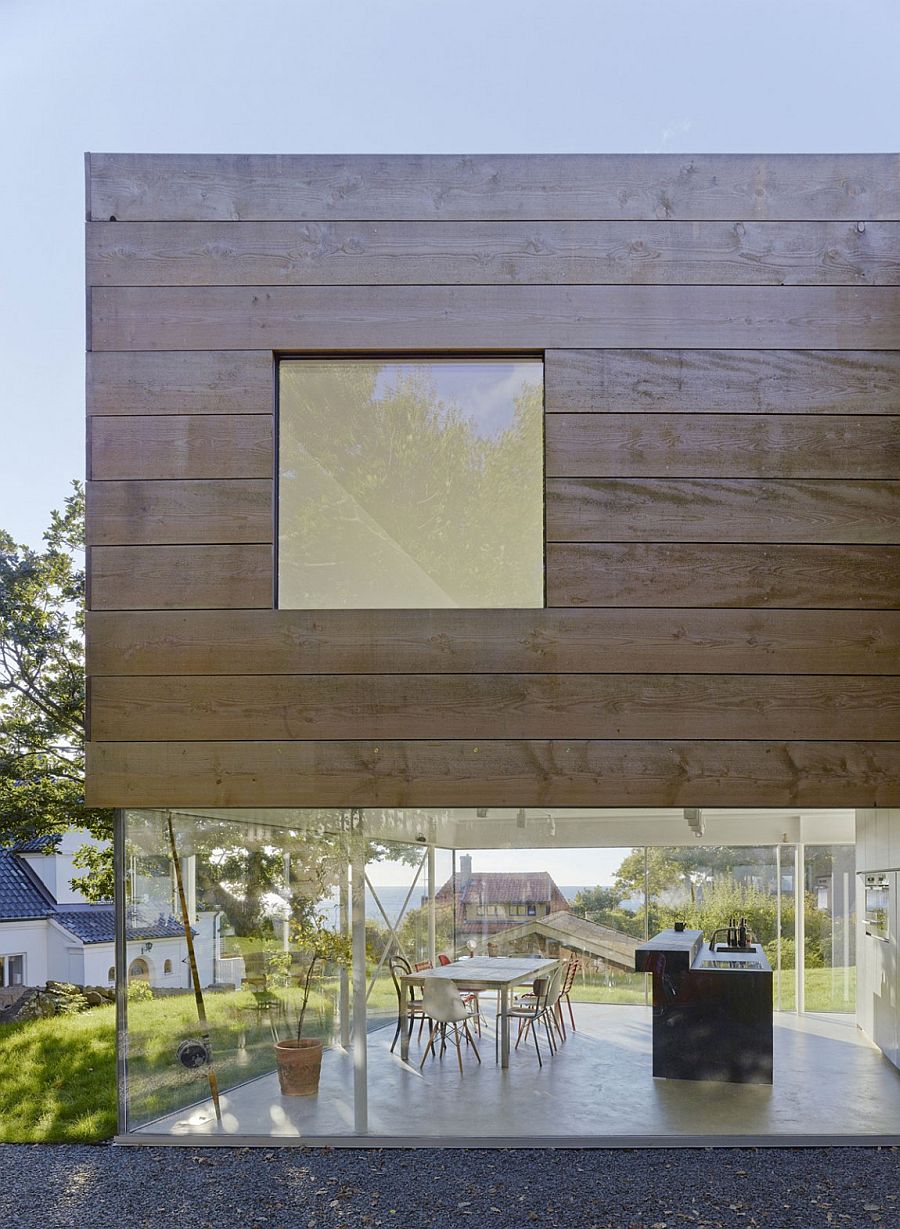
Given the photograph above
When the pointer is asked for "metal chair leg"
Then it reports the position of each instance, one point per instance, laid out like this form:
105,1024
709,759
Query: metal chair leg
536,1046
471,1039
430,1046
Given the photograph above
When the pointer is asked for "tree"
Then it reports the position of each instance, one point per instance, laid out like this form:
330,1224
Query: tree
42,693
603,906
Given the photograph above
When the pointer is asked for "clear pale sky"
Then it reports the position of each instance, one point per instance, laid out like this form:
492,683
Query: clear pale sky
375,76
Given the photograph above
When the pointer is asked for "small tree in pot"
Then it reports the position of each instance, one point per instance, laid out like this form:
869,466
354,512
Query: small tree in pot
300,1058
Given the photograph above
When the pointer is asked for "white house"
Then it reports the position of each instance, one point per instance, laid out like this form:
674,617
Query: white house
49,931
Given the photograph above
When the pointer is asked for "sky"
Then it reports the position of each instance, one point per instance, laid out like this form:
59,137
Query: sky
374,76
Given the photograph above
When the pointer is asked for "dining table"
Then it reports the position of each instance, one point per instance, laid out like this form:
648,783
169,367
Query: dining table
484,973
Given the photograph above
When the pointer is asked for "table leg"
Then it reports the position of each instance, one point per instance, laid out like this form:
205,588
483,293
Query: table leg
503,1024
405,1031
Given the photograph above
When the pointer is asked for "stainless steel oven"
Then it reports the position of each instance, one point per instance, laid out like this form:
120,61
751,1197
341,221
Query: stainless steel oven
877,904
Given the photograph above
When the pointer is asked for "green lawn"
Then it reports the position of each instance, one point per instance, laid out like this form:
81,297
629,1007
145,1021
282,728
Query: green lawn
59,1079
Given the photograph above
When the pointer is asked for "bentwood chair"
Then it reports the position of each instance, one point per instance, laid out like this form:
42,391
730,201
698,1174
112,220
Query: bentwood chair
571,972
409,1008
444,1008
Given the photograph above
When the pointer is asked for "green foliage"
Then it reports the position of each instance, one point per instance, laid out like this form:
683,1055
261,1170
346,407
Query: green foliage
139,992
318,944
42,687
814,957
603,906
460,505
98,881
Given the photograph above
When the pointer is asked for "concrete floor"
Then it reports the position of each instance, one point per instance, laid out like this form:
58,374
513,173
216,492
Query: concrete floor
829,1082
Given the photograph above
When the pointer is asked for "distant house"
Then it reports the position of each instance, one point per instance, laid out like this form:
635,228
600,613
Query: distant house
49,932
489,902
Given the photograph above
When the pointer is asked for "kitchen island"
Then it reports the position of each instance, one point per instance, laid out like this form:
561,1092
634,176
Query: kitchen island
712,1009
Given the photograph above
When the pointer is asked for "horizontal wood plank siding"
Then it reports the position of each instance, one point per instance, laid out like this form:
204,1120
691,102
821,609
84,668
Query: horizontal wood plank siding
714,574
490,317
403,706
167,513
745,381
627,773
721,341
513,641
595,445
493,253
197,382
181,446
448,187
721,510
181,577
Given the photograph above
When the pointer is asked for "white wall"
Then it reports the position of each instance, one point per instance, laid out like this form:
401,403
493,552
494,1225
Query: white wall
55,870
30,939
65,955
878,963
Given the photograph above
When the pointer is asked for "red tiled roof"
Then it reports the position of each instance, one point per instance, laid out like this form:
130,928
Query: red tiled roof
502,888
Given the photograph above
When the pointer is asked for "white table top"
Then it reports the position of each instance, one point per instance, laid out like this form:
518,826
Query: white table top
482,972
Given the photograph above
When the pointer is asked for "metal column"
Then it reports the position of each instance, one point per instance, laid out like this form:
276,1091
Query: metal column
799,927
344,980
358,931
432,908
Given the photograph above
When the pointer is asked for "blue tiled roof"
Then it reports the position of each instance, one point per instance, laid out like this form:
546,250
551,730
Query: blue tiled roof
37,844
22,895
97,923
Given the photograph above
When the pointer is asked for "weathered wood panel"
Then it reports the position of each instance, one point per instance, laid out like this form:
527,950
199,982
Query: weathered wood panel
693,187
491,317
181,446
131,513
180,577
761,381
721,510
510,641
499,773
391,253
721,446
198,382
479,706
715,574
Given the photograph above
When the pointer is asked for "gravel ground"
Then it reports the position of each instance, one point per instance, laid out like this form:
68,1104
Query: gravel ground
57,1187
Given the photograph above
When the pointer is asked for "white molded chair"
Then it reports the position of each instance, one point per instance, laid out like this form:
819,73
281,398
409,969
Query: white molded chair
443,1006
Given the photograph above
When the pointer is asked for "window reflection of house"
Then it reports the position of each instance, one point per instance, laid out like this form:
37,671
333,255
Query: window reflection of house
488,902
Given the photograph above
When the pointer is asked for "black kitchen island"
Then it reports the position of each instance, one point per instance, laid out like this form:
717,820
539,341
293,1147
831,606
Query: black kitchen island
712,1010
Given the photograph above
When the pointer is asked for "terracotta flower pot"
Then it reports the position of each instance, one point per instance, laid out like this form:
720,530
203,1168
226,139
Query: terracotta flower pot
299,1063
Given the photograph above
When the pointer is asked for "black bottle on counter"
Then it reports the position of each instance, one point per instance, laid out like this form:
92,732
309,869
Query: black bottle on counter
742,933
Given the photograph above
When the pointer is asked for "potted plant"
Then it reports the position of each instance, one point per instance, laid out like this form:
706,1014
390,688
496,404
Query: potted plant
299,1059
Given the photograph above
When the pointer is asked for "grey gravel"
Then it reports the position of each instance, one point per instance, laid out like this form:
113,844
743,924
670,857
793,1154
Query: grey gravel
58,1187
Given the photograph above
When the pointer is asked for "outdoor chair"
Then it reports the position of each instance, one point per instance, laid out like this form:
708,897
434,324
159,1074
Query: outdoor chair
444,1009
444,959
409,1008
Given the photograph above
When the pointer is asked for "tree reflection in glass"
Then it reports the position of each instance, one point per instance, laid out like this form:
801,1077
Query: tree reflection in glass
410,484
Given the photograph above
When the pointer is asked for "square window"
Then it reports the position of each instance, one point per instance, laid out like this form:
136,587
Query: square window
410,483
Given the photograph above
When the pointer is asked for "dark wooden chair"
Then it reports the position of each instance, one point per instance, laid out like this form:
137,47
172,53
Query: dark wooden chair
409,1008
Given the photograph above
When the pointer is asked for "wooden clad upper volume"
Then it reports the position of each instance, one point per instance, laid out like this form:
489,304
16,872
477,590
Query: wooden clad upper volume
721,343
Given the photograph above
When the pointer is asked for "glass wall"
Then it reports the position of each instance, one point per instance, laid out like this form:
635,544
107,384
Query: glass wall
829,928
407,484
249,934
236,903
